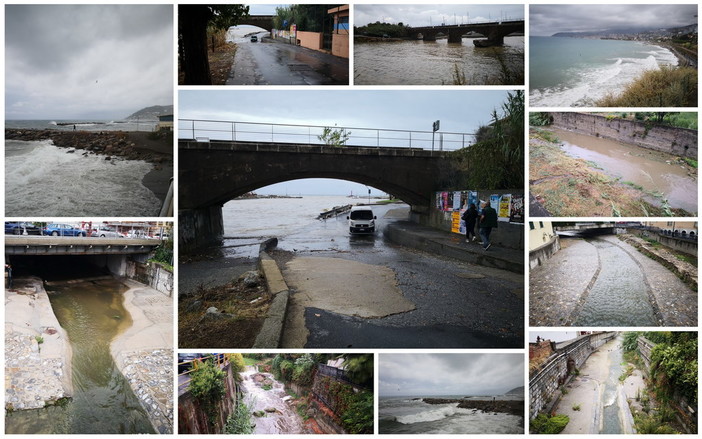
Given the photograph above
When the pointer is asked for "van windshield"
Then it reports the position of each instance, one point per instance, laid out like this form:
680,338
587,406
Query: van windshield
362,215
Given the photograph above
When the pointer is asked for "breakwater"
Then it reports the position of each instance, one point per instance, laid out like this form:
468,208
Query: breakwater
108,143
511,407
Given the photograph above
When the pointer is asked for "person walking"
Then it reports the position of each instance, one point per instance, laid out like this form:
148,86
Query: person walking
488,220
8,270
470,216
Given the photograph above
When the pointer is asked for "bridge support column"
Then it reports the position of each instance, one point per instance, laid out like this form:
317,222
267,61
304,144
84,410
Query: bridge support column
455,36
495,38
199,227
429,37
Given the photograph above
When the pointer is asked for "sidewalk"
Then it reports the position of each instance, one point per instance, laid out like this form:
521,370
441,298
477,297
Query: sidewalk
453,245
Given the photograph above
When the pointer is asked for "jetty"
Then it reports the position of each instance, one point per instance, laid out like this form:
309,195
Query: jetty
334,211
511,407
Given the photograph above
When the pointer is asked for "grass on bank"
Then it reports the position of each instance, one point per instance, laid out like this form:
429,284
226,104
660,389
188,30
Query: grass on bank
667,87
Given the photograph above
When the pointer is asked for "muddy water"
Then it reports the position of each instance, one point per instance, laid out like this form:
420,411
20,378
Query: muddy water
619,295
92,313
634,164
280,418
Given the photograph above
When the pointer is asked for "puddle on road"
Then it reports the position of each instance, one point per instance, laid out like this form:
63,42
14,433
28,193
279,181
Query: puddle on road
619,296
641,166
93,314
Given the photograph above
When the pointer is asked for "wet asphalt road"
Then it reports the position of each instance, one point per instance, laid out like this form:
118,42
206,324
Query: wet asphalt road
273,63
458,305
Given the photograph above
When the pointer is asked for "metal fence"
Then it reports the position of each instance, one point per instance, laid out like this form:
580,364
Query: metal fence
206,130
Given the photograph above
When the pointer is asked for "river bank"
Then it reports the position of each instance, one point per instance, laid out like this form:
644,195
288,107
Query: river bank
129,145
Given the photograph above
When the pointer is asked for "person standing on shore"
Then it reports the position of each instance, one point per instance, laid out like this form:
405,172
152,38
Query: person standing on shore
470,216
8,270
488,220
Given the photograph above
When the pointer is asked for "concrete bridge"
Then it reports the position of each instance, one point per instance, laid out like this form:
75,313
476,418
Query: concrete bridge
60,246
264,21
586,229
495,32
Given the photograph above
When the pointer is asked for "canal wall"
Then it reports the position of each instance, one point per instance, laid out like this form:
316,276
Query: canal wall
682,245
153,274
198,228
545,384
684,413
676,141
544,252
509,235
192,418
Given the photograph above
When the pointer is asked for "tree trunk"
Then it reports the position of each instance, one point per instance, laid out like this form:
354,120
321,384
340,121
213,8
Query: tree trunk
193,28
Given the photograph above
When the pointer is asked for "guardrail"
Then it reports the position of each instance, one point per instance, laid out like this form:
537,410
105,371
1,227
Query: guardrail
206,130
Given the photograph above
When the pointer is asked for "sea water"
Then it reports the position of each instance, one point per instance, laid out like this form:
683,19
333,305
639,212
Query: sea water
42,179
576,72
404,415
83,125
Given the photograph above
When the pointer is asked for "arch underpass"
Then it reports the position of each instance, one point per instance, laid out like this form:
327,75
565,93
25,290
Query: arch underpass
212,173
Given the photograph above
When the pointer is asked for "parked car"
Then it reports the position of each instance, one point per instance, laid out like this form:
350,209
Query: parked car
254,38
63,230
22,228
106,232
361,220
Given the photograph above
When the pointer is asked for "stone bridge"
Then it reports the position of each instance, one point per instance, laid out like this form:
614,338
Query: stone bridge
214,172
264,21
495,32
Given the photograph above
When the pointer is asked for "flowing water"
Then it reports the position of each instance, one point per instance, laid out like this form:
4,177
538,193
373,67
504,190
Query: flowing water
612,422
417,62
654,171
619,295
280,417
93,314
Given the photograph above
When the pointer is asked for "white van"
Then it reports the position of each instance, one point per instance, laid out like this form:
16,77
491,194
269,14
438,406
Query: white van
361,220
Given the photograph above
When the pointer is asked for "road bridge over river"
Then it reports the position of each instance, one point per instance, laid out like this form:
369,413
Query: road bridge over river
220,161
64,245
495,32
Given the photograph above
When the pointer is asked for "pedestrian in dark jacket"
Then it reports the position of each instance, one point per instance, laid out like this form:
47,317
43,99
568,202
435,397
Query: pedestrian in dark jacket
488,220
470,216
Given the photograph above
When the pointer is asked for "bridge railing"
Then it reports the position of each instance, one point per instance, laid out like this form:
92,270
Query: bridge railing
206,130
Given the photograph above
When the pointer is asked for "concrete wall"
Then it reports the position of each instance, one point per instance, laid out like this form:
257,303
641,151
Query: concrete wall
152,274
310,40
683,245
116,264
505,235
677,141
544,385
192,419
198,228
340,45
539,255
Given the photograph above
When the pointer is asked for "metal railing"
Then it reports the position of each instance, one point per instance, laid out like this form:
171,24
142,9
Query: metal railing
206,130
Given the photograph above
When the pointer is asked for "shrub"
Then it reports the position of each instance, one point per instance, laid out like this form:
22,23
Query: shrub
286,370
545,424
358,417
303,371
667,87
237,363
207,386
239,422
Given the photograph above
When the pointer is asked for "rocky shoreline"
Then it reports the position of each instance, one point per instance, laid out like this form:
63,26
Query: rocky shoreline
515,408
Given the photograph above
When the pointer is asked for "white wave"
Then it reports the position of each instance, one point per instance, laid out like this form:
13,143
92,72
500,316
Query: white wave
481,423
50,181
434,413
53,122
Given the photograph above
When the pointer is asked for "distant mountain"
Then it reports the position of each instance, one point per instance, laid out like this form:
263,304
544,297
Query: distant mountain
151,113
641,32
516,391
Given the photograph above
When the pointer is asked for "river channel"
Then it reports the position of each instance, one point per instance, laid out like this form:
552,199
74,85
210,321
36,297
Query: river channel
93,314
418,62
619,295
278,417
655,171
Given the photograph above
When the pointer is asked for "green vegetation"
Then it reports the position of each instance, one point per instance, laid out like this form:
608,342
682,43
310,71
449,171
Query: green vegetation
266,387
239,422
382,30
334,136
358,418
651,423
237,364
360,368
250,361
164,254
539,119
630,342
508,75
667,87
207,386
497,161
39,339
545,424
308,18
691,162
674,364
547,136
576,407
628,370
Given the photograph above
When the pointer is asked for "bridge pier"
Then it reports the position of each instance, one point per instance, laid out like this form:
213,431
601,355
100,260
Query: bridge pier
429,36
455,36
199,227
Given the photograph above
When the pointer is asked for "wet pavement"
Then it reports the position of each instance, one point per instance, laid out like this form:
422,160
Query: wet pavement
269,62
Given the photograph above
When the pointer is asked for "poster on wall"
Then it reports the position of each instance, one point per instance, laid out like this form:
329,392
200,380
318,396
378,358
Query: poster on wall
503,213
447,201
457,201
457,223
473,199
516,214
495,202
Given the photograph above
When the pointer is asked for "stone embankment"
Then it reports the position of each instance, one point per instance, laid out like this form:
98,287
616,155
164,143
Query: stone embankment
510,407
107,143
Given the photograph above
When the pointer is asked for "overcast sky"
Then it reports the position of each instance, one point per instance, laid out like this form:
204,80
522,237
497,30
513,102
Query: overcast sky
550,19
425,15
449,374
87,61
459,111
